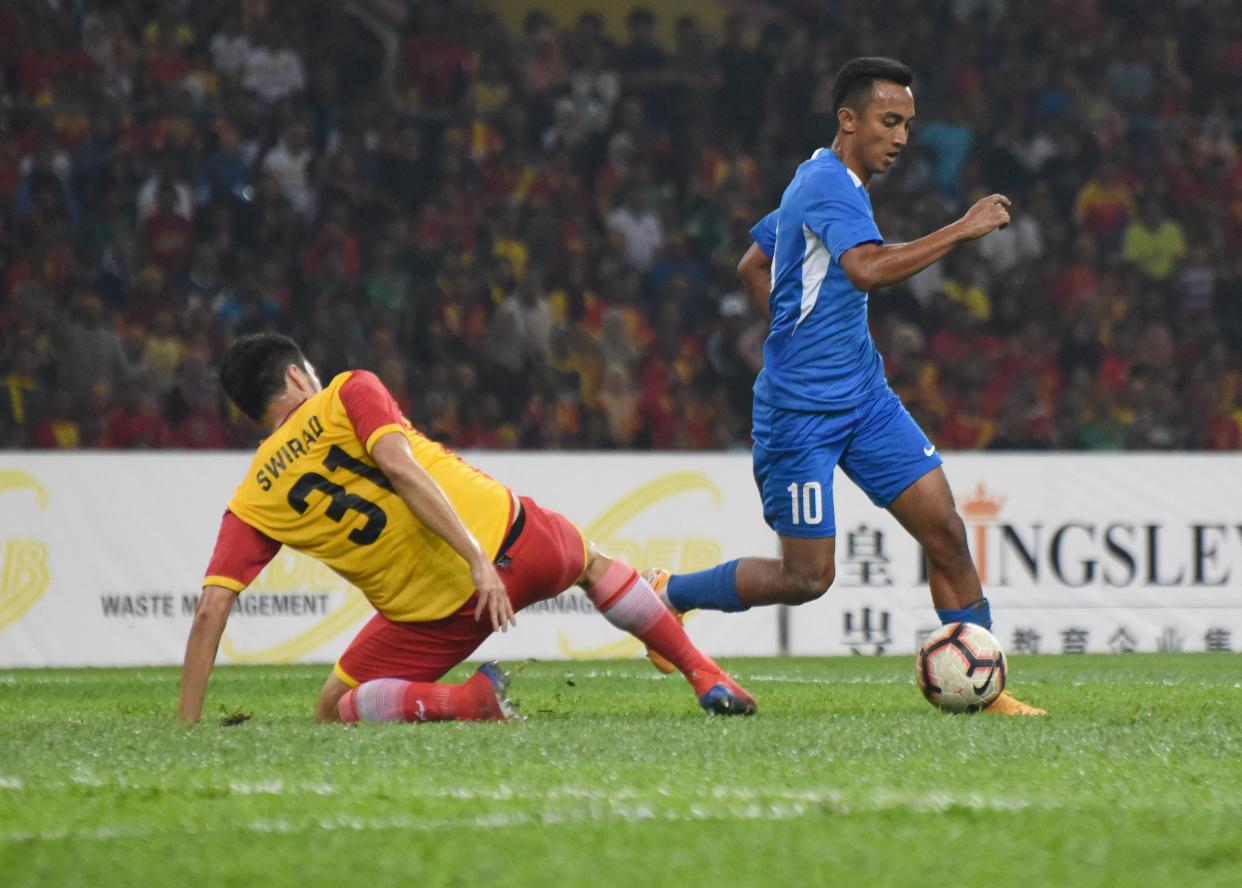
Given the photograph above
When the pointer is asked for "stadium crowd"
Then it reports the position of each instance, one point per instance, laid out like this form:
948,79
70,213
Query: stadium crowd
531,237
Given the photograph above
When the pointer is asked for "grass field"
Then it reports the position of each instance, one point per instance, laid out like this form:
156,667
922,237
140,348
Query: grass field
846,777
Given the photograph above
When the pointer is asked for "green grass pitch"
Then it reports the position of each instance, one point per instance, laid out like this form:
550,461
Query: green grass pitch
846,777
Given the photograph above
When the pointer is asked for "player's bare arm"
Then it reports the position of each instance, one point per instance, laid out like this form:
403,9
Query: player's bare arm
755,270
871,265
210,617
427,502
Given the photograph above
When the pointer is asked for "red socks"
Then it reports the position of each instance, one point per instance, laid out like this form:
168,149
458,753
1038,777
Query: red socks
391,699
628,602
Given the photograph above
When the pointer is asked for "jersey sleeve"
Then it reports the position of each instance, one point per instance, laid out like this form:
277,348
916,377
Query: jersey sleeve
370,407
241,553
764,234
837,213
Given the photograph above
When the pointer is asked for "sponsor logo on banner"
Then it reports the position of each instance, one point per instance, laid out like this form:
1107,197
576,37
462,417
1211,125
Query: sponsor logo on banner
615,534
294,607
25,575
1098,551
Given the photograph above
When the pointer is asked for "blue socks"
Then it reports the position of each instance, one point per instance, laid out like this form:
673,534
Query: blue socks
979,613
711,589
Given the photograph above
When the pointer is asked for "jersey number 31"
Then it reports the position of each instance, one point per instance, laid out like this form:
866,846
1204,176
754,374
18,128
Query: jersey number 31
342,501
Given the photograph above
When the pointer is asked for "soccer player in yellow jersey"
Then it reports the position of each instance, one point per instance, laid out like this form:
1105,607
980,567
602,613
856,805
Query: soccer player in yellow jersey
445,553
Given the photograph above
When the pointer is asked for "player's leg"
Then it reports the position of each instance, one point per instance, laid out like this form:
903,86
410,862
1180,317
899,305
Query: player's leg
796,488
927,511
394,668
893,462
391,672
551,555
803,573
628,602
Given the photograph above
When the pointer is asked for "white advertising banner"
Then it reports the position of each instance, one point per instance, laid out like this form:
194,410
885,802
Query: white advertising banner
1077,553
103,555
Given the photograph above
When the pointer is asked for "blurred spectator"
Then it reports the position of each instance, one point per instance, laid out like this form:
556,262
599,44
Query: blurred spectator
1105,204
1152,241
950,139
230,47
92,353
639,227
273,69
743,75
166,234
23,398
58,430
135,422
289,163
644,65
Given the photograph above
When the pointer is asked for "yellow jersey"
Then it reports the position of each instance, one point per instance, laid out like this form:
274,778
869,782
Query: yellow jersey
313,486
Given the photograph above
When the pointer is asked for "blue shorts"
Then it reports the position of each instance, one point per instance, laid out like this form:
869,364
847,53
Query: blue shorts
877,444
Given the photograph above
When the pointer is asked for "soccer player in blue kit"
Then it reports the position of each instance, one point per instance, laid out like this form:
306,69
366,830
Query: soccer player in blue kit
821,399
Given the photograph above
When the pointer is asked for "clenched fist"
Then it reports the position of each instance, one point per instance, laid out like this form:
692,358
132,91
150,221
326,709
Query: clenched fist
987,215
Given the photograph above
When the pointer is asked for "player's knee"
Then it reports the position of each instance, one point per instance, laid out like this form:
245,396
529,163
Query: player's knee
597,565
805,586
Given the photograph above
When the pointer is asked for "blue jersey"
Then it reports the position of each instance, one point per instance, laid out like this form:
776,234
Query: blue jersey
764,233
819,354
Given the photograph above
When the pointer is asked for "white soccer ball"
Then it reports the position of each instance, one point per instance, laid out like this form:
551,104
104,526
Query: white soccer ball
961,668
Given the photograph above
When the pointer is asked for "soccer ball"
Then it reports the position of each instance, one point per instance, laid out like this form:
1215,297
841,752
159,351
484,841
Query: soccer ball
961,668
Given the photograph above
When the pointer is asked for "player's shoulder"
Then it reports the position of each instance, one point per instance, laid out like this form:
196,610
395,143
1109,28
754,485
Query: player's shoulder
824,167
363,377
356,380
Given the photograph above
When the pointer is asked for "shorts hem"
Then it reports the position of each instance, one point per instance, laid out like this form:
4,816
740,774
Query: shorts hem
884,501
807,534
345,676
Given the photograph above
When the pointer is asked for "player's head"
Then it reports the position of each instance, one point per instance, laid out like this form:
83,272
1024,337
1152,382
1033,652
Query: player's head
260,368
874,107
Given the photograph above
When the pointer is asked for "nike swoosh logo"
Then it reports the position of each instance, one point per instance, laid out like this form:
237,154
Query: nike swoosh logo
982,688
929,450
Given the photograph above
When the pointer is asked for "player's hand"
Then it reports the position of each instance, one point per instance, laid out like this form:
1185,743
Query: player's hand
987,215
492,596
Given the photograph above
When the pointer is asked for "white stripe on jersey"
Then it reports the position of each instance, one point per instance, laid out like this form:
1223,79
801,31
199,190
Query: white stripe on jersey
772,262
815,262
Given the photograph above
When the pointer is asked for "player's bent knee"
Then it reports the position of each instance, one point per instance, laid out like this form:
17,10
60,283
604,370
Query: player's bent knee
597,565
803,588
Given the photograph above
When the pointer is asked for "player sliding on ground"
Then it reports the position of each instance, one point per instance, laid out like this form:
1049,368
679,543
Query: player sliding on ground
445,553
821,399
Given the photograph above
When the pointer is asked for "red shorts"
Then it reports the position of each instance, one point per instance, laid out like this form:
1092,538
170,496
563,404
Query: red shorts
547,557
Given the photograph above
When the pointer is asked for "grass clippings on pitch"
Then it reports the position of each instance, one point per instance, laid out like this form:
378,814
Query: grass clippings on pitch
846,777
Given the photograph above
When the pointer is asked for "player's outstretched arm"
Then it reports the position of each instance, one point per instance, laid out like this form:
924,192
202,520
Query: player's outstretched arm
873,265
200,650
423,496
755,270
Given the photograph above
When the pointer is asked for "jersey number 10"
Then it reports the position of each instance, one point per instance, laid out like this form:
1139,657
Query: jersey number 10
812,511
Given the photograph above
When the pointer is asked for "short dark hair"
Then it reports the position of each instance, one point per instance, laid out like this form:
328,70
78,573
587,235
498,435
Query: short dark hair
857,77
252,372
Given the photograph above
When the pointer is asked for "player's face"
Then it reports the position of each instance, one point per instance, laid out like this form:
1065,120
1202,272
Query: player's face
882,128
